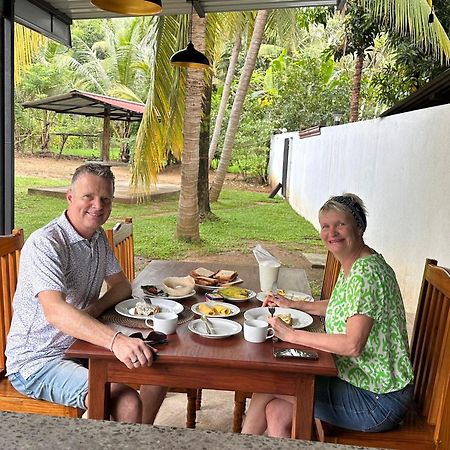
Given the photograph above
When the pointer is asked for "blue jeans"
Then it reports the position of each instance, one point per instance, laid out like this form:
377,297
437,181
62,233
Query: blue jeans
62,381
342,404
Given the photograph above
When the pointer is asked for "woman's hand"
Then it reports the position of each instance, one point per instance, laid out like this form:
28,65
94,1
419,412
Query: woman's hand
281,329
278,300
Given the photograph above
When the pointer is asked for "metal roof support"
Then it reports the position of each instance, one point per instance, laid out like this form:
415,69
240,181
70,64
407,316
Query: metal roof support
6,116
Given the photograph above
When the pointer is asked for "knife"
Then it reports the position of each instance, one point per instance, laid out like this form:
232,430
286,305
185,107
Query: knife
208,327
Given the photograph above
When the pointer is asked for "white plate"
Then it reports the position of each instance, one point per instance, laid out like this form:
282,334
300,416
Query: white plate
290,295
126,307
300,319
222,328
170,297
213,288
251,294
234,310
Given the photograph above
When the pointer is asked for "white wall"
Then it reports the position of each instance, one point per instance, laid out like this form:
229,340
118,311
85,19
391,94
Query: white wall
399,166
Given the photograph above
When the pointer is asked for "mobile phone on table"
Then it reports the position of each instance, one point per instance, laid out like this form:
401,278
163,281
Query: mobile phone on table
295,353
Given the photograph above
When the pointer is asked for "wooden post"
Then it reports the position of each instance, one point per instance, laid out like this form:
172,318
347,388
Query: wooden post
106,139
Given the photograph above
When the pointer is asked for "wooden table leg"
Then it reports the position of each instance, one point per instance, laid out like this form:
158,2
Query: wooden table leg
99,391
303,409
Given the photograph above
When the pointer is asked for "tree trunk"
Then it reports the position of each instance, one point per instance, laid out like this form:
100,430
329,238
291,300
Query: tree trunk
356,88
187,219
225,94
106,137
238,103
203,168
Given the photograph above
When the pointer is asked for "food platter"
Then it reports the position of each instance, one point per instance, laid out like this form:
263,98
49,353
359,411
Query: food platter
233,309
290,295
222,328
300,319
250,294
162,295
126,307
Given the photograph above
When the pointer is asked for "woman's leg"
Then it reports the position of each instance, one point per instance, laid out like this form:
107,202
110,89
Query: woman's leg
255,417
279,417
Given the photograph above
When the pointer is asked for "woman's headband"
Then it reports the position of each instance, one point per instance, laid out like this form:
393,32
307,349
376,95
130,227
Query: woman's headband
355,209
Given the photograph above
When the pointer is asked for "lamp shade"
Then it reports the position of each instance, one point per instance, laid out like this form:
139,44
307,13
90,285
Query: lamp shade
190,57
130,7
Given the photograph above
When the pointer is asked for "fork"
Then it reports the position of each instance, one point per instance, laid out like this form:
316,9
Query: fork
271,308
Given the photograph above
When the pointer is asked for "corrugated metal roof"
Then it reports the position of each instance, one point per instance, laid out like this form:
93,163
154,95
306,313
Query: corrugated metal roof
83,9
88,104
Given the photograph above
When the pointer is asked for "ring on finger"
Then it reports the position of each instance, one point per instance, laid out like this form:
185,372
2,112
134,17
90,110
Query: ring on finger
135,361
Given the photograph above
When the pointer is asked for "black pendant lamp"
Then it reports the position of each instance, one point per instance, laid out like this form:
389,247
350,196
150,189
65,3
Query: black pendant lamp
190,57
130,7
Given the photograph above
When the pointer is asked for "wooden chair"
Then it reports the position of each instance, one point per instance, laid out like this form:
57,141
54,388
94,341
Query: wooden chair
10,399
330,276
120,238
331,272
427,425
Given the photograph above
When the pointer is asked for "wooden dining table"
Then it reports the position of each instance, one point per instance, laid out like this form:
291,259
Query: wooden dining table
192,361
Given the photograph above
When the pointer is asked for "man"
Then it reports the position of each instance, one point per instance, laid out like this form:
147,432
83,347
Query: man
62,268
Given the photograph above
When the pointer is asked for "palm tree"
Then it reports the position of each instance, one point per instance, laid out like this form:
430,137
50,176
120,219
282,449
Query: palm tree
225,94
406,17
188,217
238,103
26,42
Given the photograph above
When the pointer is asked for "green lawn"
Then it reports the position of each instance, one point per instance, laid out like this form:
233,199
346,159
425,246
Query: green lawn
243,217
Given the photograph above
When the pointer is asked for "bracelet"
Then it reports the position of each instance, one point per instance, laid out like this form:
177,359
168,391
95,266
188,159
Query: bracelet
112,340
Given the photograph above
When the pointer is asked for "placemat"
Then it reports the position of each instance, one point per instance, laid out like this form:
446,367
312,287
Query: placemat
315,327
112,316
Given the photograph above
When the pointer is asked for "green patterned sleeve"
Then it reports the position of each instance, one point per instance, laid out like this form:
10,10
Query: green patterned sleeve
364,291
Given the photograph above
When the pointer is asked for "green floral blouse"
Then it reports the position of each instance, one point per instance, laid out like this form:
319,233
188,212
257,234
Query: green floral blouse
371,289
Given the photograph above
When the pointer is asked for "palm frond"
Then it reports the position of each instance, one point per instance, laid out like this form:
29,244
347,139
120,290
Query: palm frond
410,17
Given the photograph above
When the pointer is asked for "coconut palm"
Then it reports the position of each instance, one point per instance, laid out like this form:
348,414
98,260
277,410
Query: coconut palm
238,103
26,43
188,218
406,17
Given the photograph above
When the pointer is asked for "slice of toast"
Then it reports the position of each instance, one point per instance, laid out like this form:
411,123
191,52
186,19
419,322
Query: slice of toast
202,272
225,276
206,281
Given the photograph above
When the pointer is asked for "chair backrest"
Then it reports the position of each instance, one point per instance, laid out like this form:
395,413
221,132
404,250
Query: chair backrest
10,247
330,276
430,348
120,237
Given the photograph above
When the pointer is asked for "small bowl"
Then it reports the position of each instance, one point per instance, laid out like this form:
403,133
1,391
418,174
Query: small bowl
178,286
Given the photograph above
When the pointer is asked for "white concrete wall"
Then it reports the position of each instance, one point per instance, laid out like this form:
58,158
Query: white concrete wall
399,166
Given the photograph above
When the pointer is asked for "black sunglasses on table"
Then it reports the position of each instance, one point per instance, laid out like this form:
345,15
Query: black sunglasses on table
153,338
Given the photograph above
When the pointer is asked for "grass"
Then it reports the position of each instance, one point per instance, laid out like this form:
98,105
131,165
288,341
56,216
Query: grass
243,217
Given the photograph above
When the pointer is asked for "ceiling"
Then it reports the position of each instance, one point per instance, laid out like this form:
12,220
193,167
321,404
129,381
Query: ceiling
83,9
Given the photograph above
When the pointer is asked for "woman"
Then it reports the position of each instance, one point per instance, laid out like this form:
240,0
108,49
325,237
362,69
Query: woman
365,329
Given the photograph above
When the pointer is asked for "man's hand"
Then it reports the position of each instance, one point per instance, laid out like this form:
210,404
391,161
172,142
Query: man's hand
133,352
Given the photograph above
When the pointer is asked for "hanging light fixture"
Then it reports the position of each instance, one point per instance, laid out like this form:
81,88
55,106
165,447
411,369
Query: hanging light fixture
190,57
130,7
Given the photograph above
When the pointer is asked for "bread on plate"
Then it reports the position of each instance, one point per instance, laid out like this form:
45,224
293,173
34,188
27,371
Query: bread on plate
225,276
202,272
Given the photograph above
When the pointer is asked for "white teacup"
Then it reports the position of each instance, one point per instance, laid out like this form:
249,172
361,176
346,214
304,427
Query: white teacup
164,322
257,331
